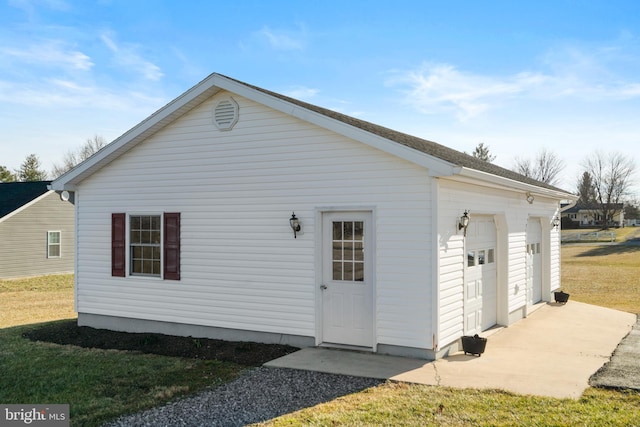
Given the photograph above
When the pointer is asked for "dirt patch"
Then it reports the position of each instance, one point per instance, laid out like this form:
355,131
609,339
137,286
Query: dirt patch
242,353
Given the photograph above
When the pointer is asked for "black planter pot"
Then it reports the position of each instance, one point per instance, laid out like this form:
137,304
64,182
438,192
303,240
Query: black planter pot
561,297
473,344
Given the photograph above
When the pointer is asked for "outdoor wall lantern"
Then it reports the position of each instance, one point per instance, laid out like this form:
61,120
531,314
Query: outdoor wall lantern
556,222
463,222
295,224
530,198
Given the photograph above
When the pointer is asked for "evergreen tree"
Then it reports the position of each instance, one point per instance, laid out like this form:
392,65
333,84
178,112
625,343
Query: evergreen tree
30,170
586,190
482,152
6,175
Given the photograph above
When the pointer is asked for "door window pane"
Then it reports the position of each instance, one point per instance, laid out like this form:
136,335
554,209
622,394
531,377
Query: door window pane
348,251
471,258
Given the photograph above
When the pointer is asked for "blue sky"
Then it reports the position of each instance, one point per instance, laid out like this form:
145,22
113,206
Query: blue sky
518,76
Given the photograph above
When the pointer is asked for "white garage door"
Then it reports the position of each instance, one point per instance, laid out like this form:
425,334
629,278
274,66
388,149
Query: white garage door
481,298
534,261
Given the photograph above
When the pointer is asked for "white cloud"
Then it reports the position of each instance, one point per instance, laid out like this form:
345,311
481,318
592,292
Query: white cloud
126,55
284,39
301,92
48,53
570,74
436,88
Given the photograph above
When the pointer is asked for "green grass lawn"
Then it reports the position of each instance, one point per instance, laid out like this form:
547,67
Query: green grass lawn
99,385
102,384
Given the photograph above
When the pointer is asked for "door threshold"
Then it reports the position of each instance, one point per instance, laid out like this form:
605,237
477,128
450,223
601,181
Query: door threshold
346,347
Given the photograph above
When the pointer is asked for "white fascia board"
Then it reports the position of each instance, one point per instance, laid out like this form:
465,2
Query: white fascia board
25,206
476,177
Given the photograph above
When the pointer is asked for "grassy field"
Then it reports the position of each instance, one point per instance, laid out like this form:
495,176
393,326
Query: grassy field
101,384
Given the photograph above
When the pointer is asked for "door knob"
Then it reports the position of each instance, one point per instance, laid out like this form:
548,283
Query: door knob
323,287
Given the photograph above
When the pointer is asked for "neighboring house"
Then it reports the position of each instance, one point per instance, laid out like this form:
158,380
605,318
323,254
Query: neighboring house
185,227
590,215
37,231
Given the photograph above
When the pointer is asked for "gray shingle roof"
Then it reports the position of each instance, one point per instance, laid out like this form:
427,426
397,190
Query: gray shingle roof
14,195
429,147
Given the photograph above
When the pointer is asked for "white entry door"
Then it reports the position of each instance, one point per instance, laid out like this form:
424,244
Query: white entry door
347,286
481,297
534,261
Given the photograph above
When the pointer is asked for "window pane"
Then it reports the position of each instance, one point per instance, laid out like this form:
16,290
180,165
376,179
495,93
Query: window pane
135,237
358,230
54,237
471,259
155,236
54,251
348,231
490,256
337,230
348,251
135,222
137,267
337,251
337,271
156,267
146,223
348,271
537,248
481,259
358,252
358,274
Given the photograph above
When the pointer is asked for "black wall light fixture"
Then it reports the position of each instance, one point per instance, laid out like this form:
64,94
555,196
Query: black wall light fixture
295,224
463,222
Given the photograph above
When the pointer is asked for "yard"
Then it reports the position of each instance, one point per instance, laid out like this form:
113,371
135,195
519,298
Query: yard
100,384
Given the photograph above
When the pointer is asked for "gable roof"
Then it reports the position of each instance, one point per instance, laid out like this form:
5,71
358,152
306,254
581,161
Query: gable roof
439,159
14,195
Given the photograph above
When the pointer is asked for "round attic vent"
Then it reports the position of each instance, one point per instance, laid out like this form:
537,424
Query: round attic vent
225,114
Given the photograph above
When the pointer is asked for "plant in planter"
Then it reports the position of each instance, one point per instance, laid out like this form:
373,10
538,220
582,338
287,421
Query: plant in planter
561,297
473,344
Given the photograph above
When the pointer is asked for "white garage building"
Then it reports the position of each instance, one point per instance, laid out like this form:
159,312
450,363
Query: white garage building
185,225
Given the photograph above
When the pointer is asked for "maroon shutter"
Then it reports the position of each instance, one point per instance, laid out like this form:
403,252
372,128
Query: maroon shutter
118,244
172,245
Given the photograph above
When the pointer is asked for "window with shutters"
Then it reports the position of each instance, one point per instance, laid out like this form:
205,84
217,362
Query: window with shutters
146,245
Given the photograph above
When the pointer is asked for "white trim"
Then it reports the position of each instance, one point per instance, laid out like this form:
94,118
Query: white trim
59,244
25,206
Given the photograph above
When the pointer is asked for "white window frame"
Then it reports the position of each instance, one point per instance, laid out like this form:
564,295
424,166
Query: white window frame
58,244
129,255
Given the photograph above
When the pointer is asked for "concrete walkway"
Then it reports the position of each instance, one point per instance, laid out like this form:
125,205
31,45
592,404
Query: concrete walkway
552,353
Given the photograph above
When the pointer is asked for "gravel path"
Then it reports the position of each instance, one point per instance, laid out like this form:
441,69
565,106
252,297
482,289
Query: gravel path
258,395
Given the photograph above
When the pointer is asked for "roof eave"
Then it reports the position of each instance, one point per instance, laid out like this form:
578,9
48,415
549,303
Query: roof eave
490,180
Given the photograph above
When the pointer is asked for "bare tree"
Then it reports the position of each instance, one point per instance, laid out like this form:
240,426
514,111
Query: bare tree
73,158
544,168
482,152
612,176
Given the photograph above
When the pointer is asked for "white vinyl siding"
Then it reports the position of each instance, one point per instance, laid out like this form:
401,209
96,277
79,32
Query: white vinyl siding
241,267
511,212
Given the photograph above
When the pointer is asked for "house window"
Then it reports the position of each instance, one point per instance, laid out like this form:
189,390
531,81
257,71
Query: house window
144,245
152,242
53,244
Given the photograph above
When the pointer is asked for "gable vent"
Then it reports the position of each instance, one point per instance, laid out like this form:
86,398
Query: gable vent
225,114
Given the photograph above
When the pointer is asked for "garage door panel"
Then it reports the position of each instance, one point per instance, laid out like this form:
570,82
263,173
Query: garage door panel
480,275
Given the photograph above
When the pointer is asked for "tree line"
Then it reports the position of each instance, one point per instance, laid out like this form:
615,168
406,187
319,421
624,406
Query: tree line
31,169
603,186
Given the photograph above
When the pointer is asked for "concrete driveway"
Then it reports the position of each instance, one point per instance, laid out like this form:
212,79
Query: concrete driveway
552,353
